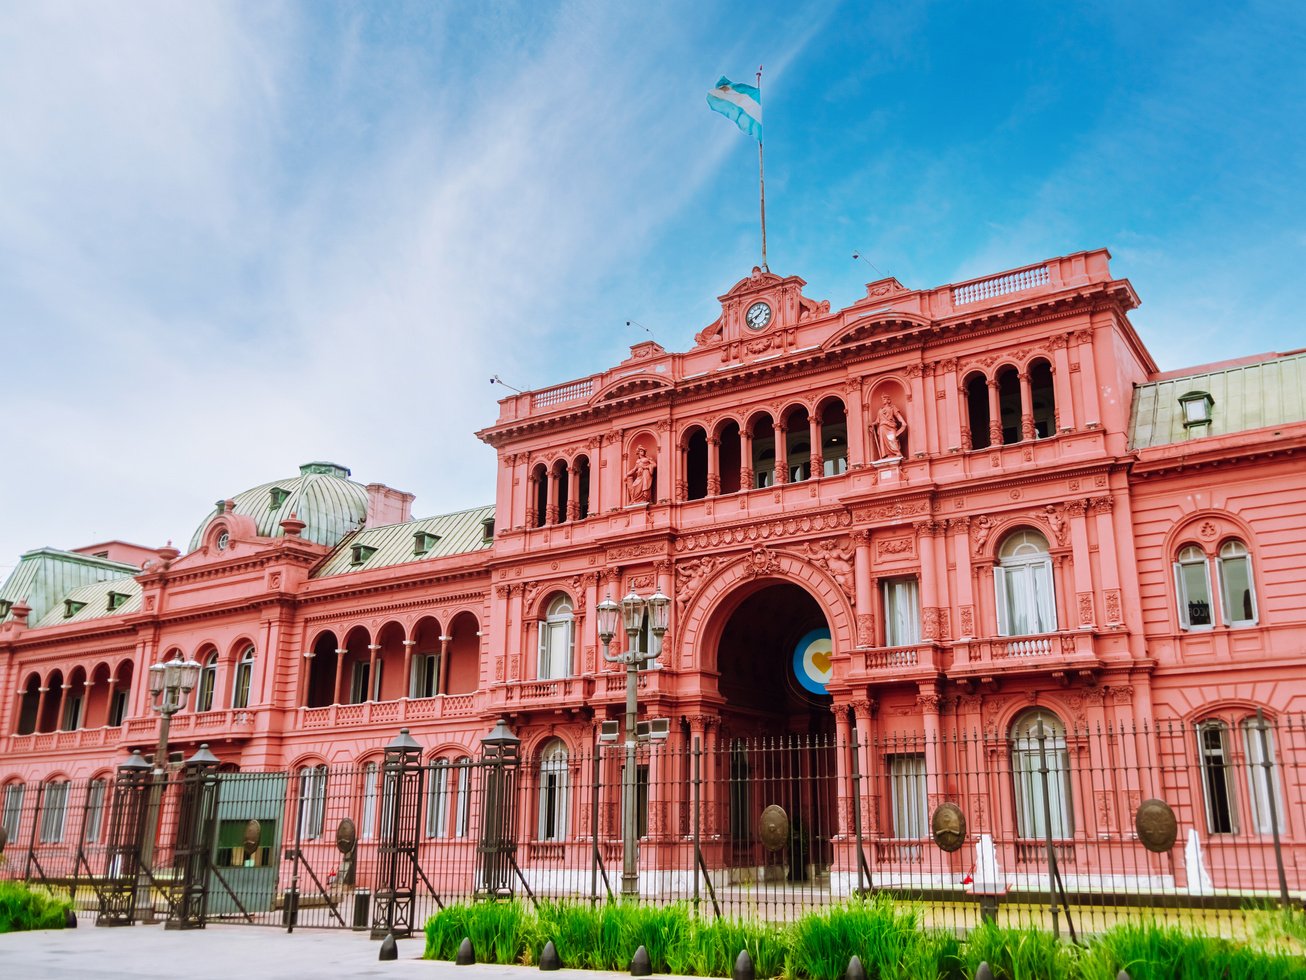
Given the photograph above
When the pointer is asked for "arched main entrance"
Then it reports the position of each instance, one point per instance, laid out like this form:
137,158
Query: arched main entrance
777,730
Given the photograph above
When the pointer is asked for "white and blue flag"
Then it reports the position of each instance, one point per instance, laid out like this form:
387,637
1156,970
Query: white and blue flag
740,102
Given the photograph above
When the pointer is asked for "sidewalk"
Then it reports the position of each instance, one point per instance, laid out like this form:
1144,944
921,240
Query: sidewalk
229,952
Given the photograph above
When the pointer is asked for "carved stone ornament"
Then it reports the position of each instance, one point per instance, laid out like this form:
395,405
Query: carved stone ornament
948,825
1156,825
346,836
253,834
773,827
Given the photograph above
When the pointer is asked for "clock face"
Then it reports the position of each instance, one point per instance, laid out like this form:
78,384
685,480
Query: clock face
758,316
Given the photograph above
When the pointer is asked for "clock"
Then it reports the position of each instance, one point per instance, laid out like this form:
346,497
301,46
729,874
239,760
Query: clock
758,316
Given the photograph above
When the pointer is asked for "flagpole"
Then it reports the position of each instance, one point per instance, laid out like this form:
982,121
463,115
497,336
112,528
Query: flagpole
761,178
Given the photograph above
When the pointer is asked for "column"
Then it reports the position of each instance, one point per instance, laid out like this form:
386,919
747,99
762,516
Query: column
1088,371
746,476
781,454
929,581
573,493
1082,611
442,677
865,596
927,701
1026,407
714,467
817,461
340,670
408,666
917,426
532,498
960,526
1108,561
305,672
41,692
596,470
682,471
551,509
995,414
856,414
843,771
1065,407
965,439
372,648
866,761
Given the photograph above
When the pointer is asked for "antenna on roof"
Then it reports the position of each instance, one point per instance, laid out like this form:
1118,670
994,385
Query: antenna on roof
496,380
636,323
859,254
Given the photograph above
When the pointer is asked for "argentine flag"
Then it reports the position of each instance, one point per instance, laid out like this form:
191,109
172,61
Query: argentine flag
740,102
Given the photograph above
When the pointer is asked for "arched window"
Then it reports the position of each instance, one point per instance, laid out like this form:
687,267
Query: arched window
244,673
1237,594
1022,580
437,800
1264,793
556,640
1043,393
208,678
1263,807
977,411
54,811
834,438
1038,739
1193,585
312,801
554,792
463,801
1009,404
696,450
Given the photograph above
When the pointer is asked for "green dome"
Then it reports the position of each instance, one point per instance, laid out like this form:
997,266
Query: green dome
322,496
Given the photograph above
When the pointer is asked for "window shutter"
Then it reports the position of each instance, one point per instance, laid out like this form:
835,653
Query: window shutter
1047,606
1181,597
1000,597
546,669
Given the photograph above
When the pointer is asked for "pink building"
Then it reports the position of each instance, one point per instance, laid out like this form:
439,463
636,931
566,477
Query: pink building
928,520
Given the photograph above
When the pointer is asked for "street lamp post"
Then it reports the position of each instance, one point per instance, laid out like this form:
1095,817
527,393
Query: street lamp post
631,612
170,683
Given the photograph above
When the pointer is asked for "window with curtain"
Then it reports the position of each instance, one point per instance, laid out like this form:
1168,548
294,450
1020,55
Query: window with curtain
1022,579
1263,788
553,792
368,829
908,797
1237,594
312,801
244,674
1039,737
437,800
463,802
208,679
95,810
54,812
12,814
556,640
902,620
425,679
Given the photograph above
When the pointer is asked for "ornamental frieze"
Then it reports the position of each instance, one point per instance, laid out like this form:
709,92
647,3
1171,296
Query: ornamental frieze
891,512
633,551
764,530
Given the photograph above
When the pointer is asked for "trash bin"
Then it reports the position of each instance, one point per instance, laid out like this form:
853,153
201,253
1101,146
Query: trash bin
290,907
362,909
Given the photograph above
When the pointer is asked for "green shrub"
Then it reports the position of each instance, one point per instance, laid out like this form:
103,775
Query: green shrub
1020,954
24,907
1149,951
885,935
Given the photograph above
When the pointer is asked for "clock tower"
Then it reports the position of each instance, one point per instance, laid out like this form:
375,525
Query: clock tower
761,305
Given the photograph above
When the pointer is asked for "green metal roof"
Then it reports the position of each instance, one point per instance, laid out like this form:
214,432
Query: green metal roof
322,496
1244,397
394,544
94,600
44,578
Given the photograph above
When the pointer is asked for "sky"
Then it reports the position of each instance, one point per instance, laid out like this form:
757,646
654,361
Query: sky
237,237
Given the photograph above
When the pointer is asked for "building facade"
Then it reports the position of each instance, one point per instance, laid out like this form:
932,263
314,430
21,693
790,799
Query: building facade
933,515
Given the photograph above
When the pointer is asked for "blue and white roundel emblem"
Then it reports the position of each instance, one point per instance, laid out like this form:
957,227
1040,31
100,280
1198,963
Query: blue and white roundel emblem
812,664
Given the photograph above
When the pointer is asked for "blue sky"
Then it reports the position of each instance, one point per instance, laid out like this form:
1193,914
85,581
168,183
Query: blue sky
238,237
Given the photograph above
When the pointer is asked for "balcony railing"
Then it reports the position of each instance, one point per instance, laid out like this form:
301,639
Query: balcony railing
389,712
1043,651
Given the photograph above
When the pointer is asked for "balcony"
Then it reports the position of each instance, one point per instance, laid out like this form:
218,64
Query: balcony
900,663
390,712
223,723
1066,654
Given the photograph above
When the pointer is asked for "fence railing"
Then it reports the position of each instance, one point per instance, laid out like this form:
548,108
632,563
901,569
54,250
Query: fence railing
1039,821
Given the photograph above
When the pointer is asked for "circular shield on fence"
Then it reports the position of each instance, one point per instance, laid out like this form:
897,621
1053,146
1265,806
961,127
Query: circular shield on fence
1156,825
253,835
773,828
948,827
346,836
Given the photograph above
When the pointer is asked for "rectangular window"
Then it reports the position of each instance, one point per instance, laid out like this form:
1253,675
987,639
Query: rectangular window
908,796
1262,780
204,693
368,830
12,815
54,813
1031,818
641,798
94,810
240,692
437,812
118,708
358,683
1026,603
72,713
1236,593
464,802
901,612
312,801
1217,782
425,682
1193,585
555,649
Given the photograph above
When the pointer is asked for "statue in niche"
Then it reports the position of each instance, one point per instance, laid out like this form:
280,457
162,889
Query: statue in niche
1057,523
889,427
639,480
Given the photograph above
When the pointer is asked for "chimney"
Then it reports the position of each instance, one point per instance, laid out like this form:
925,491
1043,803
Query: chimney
386,505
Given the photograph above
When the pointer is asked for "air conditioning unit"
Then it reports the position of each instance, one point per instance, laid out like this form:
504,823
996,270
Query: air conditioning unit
655,728
609,730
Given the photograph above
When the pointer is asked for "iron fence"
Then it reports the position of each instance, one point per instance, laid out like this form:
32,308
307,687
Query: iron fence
1069,829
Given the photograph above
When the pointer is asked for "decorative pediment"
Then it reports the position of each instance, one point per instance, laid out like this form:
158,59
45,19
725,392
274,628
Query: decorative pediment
625,387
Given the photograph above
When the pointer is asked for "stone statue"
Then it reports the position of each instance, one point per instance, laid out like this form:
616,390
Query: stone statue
639,481
979,532
889,426
1057,523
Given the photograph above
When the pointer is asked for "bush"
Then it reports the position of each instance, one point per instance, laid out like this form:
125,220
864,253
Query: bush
23,907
